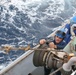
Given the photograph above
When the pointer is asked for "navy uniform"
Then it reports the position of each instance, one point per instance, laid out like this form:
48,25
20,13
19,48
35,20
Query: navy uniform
67,29
60,45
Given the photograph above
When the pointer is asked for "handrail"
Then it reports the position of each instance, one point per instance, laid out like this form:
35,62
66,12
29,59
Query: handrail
7,68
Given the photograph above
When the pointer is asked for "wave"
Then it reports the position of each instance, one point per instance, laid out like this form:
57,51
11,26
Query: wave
24,22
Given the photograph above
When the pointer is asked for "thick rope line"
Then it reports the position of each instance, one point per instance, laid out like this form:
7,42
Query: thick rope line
8,48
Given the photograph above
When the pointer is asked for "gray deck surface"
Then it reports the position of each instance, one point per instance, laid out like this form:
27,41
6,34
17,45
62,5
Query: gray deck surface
38,71
24,68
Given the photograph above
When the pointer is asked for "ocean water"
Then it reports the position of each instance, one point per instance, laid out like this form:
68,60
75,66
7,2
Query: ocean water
24,22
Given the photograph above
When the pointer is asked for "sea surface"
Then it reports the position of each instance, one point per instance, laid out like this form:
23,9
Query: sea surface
24,22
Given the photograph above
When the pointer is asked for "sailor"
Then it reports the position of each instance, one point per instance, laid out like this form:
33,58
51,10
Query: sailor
67,29
57,43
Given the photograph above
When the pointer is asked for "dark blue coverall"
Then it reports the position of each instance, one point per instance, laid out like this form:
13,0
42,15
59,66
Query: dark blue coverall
61,45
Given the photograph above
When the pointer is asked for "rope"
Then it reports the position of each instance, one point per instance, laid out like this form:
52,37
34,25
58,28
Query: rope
56,71
8,48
